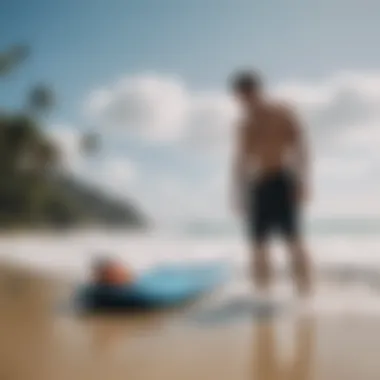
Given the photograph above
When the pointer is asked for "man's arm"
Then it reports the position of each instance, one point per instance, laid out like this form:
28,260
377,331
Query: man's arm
240,168
301,154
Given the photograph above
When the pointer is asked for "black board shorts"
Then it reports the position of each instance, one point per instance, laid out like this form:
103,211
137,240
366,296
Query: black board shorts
273,207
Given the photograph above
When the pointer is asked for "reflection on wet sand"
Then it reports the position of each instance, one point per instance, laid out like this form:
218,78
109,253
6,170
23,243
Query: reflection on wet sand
268,365
39,343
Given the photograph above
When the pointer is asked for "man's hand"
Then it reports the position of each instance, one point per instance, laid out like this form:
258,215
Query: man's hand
239,173
301,154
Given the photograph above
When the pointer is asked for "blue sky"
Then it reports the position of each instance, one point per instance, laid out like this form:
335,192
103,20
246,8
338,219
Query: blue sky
84,45
80,44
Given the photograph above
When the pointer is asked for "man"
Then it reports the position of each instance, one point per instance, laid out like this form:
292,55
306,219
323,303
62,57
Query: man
270,178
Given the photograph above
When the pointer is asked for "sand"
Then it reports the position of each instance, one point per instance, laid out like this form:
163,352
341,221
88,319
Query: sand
39,341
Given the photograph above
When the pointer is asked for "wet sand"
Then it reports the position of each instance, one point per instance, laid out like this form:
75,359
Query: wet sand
39,341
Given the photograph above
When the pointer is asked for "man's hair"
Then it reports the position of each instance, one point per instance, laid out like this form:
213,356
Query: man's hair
246,81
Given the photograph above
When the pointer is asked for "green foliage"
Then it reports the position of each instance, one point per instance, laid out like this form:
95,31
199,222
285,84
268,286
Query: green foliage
41,99
22,145
12,57
33,192
27,158
30,194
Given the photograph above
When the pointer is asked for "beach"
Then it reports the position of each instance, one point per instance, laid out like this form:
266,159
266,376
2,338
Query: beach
223,337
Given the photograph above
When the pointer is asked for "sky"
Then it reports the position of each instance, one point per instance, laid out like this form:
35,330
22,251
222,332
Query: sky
151,78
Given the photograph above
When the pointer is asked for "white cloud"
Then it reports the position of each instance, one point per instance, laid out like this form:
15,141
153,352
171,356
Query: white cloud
162,109
151,106
362,137
341,103
339,168
342,114
210,121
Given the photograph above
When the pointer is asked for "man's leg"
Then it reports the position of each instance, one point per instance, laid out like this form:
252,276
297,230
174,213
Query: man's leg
301,266
289,222
260,221
262,273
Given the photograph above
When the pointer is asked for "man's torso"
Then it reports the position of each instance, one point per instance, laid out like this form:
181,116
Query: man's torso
269,137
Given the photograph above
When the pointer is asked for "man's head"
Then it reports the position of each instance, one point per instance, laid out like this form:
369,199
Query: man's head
247,87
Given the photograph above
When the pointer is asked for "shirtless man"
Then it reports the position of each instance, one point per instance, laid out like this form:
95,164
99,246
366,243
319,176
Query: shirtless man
270,178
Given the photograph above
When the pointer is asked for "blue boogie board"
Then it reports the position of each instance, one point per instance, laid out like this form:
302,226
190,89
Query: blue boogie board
160,287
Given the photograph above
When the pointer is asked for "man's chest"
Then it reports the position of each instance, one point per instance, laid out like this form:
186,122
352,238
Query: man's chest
267,130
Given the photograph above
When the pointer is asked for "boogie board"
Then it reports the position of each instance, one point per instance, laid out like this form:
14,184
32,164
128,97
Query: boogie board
160,287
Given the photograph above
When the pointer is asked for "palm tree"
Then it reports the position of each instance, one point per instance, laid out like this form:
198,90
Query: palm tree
41,99
25,151
23,148
12,57
22,144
